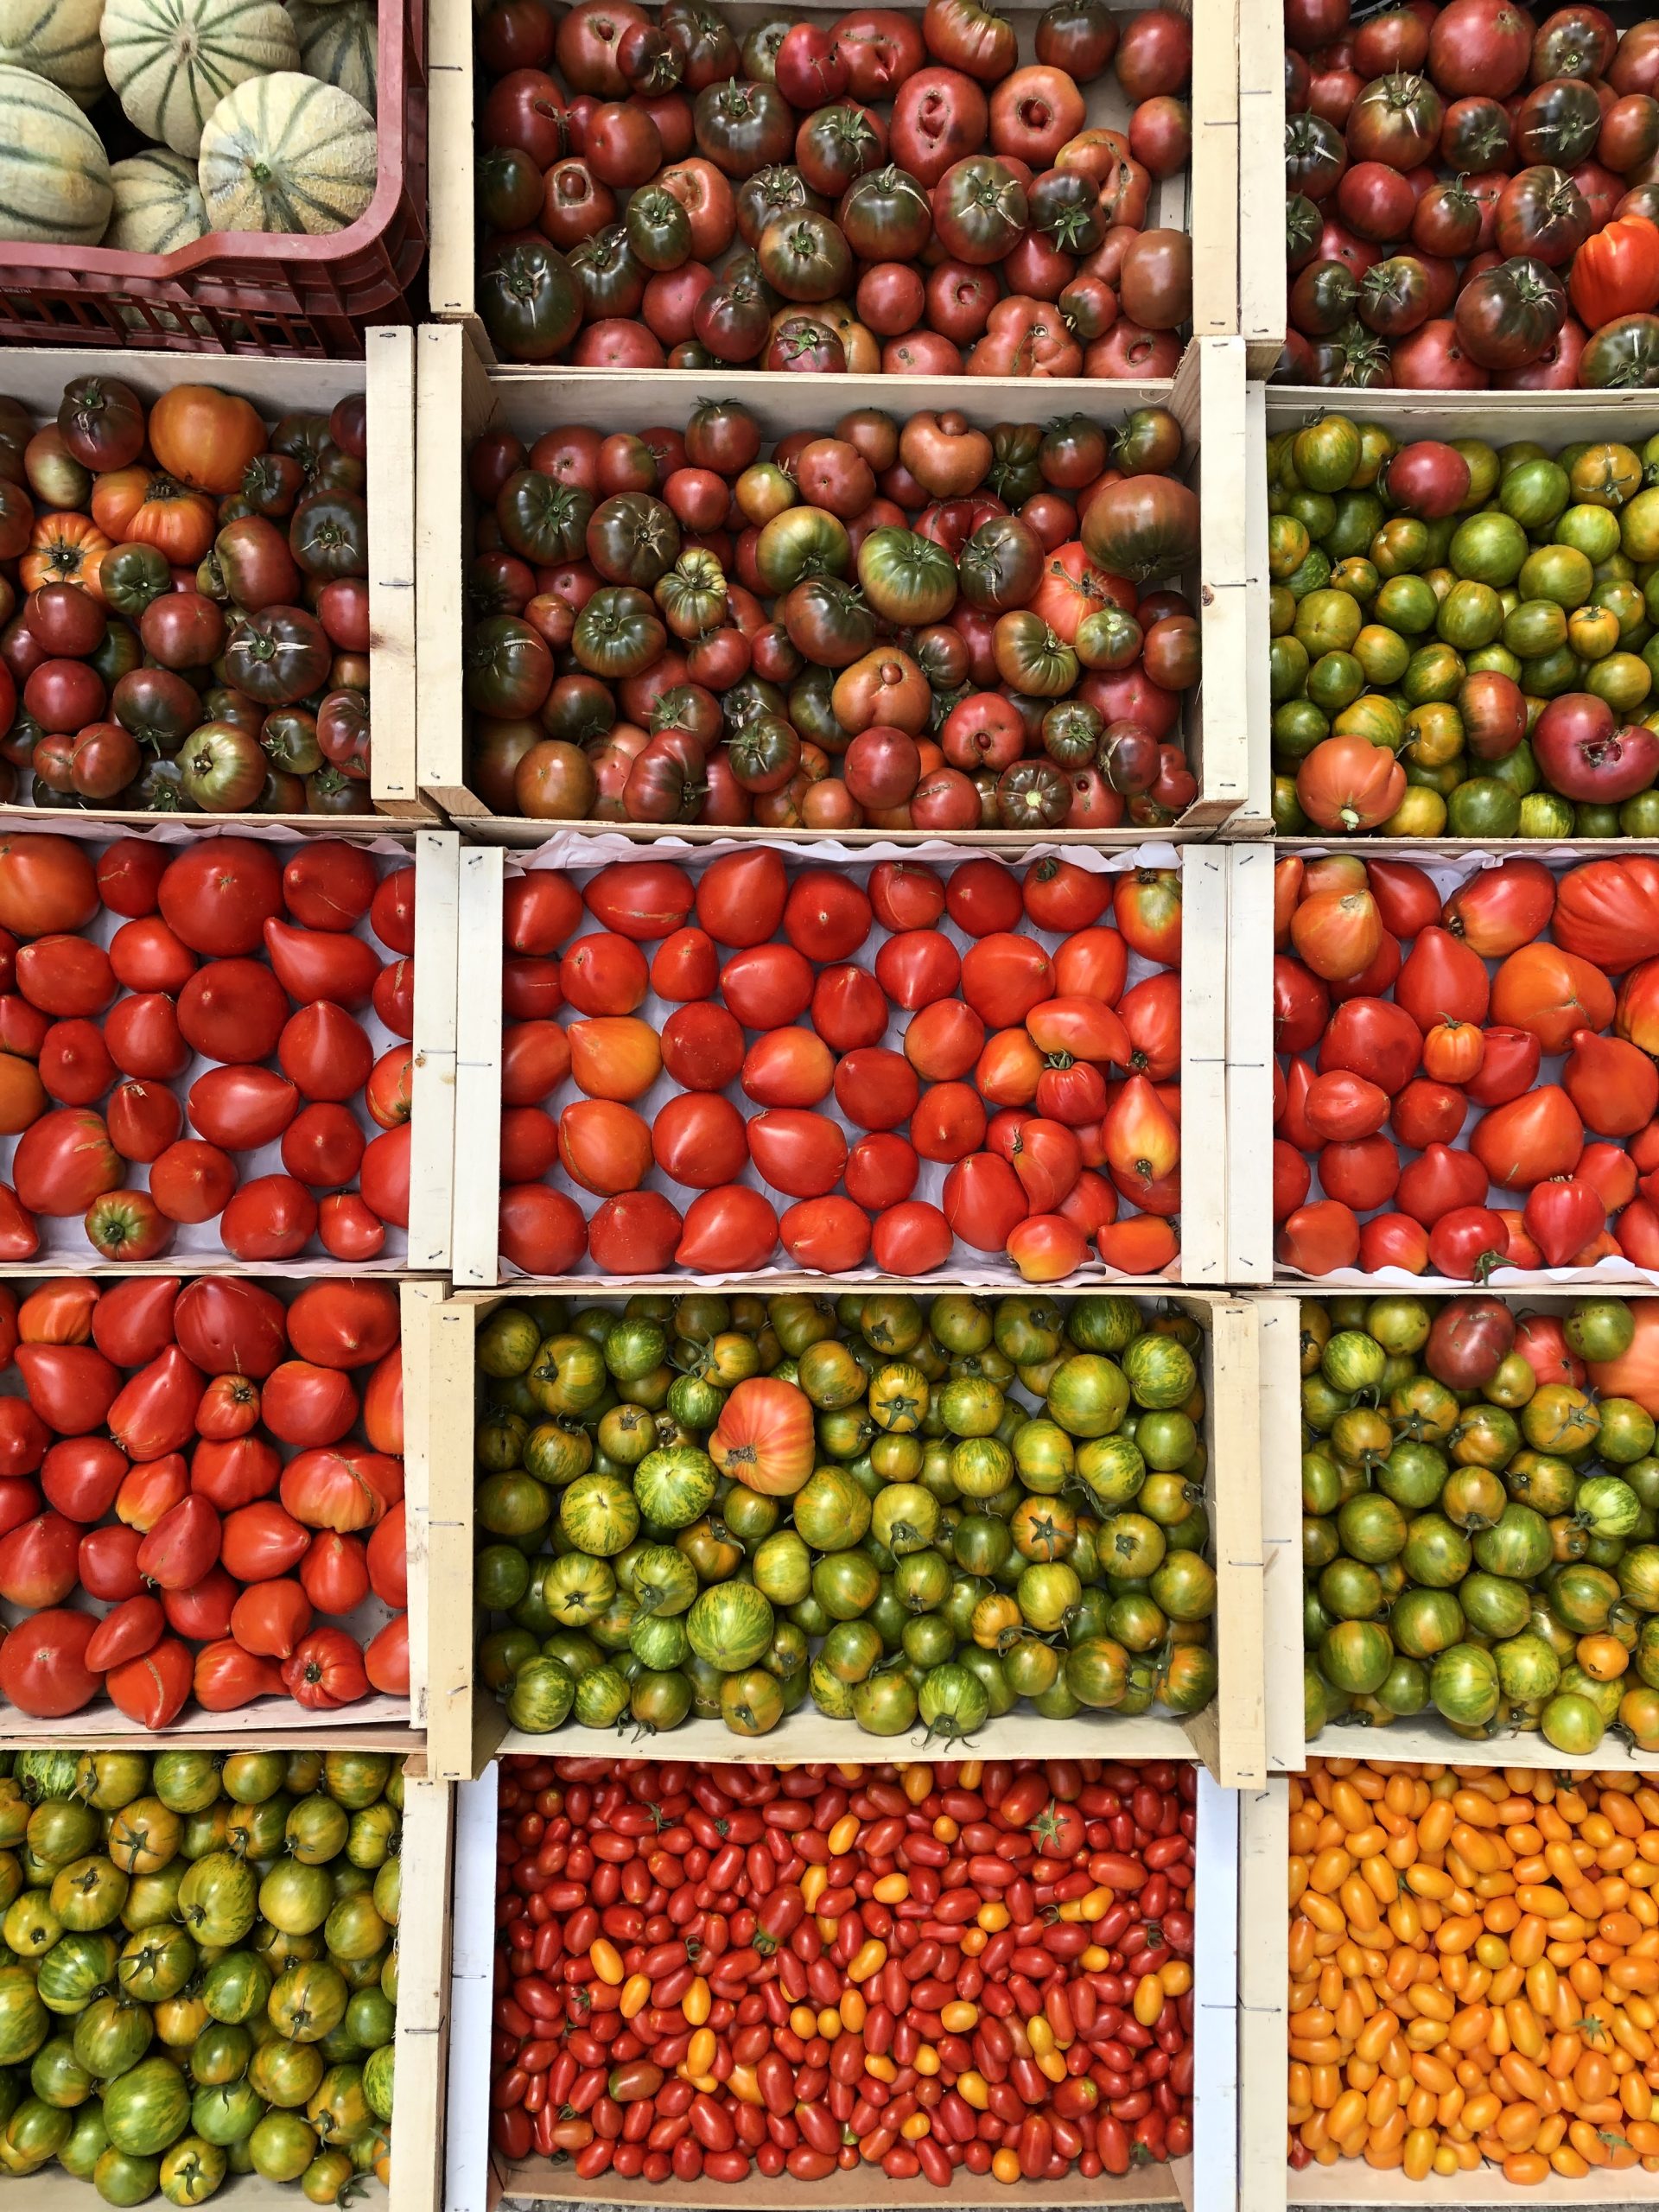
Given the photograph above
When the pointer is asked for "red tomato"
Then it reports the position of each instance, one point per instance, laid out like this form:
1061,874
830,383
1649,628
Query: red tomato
948,1122
827,916
699,1141
217,895
329,885
911,1238
881,1170
982,898
43,1669
391,910
540,1230
242,1109
261,1541
826,1236
155,1411
152,1690
39,1559
703,1047
271,1617
767,986
1004,976
905,895
190,1181
75,1066
183,1544
788,1067
646,899
334,1573
226,1677
323,1147
347,1229
1094,963
802,1155
1318,1239
634,1234
850,1009
529,1144
144,1039
137,1625
388,1559
324,1052
385,1658
918,968
128,875
273,1217
228,1326
64,1162
1063,898
685,966
132,1321
394,997
982,1201
742,896
71,1386
531,989
307,1405
66,975
147,956
539,911
232,1011
326,1671
876,1088
732,1230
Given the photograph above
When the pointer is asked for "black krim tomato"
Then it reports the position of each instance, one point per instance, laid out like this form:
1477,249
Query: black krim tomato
618,633
278,655
528,299
610,282
509,670
542,519
804,256
980,209
1507,315
1623,355
742,128
633,538
886,215
1145,528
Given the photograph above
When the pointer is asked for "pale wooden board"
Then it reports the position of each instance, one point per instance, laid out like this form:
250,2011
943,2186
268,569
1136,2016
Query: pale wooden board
416,1301
1235,1387
449,1385
1261,180
1249,1063
423,1945
390,370
437,862
1263,1950
461,396
474,1258
1204,870
1215,168
1279,1323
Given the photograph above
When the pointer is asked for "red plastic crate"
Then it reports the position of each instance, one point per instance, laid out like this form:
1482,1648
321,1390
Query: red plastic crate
252,292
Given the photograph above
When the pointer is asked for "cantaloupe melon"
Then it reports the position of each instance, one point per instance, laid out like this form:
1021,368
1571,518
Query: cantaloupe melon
170,62
59,41
157,203
286,153
54,174
338,42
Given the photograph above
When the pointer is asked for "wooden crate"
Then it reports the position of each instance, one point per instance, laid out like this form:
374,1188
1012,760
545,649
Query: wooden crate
1498,417
467,1728
477,2178
1426,1736
1204,202
421,2037
1249,1075
35,376
462,398
377,1722
476,1260
424,1247
1265,2181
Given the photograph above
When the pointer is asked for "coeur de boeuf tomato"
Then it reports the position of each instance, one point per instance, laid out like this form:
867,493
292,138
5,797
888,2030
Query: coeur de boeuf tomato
187,1455
230,954
834,1091
559,2089
1487,1101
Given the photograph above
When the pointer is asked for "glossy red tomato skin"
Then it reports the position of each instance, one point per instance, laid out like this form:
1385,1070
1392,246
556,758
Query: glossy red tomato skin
604,974
42,1663
635,1233
685,966
217,895
63,1162
911,1238
329,885
881,1171
542,1231
982,898
703,1046
767,986
326,1052
731,1231
741,897
699,1141
233,1011
826,1235
272,1217
146,956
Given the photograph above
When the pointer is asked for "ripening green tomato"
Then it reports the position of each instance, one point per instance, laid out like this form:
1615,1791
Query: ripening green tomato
1535,493
1494,1605
1328,621
1463,1684
1426,1622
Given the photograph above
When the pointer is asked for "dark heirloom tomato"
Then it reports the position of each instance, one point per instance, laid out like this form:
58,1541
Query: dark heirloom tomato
527,296
742,128
1506,317
1543,214
980,208
277,654
838,144
509,671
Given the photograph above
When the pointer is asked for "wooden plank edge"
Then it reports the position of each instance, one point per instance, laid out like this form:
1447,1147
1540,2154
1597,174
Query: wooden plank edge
1263,1954
389,392
476,1260
1236,1390
433,1095
1249,1063
440,712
